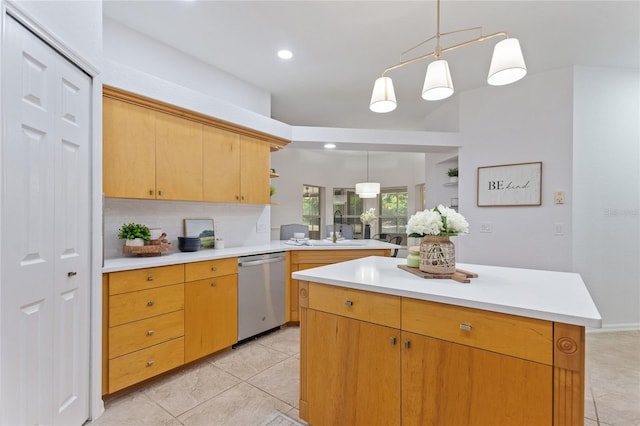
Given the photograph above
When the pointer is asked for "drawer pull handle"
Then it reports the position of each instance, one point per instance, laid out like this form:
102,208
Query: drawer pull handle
214,284
348,303
465,326
151,278
213,268
407,344
151,332
72,274
393,341
150,363
151,303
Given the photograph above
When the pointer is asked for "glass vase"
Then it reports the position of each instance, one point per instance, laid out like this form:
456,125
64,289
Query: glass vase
437,255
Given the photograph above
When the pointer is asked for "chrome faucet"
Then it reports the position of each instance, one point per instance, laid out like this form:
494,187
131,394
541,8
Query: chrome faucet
334,238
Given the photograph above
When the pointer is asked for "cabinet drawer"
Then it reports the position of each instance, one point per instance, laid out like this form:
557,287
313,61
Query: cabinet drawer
377,308
140,365
334,256
142,279
521,337
211,268
141,334
143,304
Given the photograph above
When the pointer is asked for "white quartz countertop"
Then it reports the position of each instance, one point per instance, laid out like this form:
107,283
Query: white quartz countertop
546,295
173,258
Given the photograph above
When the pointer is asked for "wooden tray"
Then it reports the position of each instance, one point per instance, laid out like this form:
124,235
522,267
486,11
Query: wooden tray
459,275
149,250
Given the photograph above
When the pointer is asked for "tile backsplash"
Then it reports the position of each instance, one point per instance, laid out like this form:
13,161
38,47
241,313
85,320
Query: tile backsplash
236,224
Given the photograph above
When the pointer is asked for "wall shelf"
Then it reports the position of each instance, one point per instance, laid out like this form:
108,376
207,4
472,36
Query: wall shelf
450,184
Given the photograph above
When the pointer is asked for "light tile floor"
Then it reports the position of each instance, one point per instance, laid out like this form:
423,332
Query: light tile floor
247,385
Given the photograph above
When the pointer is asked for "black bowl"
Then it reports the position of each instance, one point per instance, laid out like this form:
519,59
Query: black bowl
188,243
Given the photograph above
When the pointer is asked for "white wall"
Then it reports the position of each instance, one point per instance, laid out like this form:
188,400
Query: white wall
336,169
606,195
528,121
236,224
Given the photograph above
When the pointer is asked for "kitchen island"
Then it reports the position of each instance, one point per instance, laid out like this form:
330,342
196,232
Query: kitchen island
380,345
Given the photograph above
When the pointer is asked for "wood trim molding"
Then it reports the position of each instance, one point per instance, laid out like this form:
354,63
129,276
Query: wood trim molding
274,142
568,374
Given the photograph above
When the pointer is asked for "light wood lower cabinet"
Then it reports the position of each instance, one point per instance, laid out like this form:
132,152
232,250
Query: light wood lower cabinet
211,312
299,260
370,358
157,319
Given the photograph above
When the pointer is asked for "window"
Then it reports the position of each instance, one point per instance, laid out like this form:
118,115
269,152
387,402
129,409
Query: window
349,204
393,211
311,208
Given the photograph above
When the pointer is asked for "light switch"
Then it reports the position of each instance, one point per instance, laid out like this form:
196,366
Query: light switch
559,197
486,227
558,229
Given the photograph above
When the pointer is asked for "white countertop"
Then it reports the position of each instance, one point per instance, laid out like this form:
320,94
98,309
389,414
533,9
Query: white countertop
546,295
173,258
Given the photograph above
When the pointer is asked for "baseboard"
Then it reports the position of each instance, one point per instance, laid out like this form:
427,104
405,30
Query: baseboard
610,328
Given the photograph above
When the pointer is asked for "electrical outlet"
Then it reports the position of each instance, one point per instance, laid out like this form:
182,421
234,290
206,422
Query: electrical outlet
262,227
486,227
559,197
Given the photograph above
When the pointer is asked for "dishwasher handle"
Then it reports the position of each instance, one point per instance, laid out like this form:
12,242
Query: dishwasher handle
261,262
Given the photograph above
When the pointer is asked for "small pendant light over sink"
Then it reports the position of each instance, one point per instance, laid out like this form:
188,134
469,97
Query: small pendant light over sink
368,189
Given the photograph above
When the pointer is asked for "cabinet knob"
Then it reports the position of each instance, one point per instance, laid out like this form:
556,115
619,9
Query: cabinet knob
407,344
151,192
151,278
151,303
243,197
150,363
72,274
393,341
213,268
465,326
151,332
160,193
237,197
348,302
214,284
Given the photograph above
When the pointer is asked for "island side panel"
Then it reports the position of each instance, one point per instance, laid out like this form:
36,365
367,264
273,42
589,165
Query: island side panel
568,374
303,297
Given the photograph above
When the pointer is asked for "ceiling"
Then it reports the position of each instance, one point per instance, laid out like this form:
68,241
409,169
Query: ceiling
341,47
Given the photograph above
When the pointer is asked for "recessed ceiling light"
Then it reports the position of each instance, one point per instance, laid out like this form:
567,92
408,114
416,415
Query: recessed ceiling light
285,54
329,145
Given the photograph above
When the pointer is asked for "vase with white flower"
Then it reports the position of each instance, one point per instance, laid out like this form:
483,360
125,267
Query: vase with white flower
435,226
367,218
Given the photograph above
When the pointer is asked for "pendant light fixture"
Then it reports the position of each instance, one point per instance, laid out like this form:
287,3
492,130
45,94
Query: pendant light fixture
368,189
507,66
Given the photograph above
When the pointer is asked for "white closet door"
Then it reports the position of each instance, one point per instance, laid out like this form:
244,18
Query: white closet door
45,235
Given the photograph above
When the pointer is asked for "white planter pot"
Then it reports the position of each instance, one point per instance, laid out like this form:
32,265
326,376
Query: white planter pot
453,179
136,242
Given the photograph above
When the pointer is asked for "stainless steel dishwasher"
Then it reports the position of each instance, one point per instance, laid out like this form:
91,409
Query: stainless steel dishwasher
261,293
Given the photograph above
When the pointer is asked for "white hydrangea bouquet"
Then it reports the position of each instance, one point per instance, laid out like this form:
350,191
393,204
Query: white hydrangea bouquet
439,220
368,217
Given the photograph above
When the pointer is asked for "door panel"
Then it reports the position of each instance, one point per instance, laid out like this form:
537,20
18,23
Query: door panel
45,233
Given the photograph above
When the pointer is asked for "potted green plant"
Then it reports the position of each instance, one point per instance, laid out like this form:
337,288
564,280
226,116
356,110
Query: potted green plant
453,174
134,234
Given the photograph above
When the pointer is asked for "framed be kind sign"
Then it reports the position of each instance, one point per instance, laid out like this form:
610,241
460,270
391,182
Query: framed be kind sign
510,185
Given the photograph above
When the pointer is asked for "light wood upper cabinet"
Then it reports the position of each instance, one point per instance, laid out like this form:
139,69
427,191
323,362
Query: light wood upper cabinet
129,152
236,168
221,157
254,171
178,158
154,150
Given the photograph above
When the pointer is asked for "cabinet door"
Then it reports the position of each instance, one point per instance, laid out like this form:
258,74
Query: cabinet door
449,383
254,171
353,371
129,150
178,158
221,154
211,315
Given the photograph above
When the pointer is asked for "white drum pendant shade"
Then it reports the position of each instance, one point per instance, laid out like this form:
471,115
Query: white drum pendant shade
368,189
437,83
507,63
383,98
